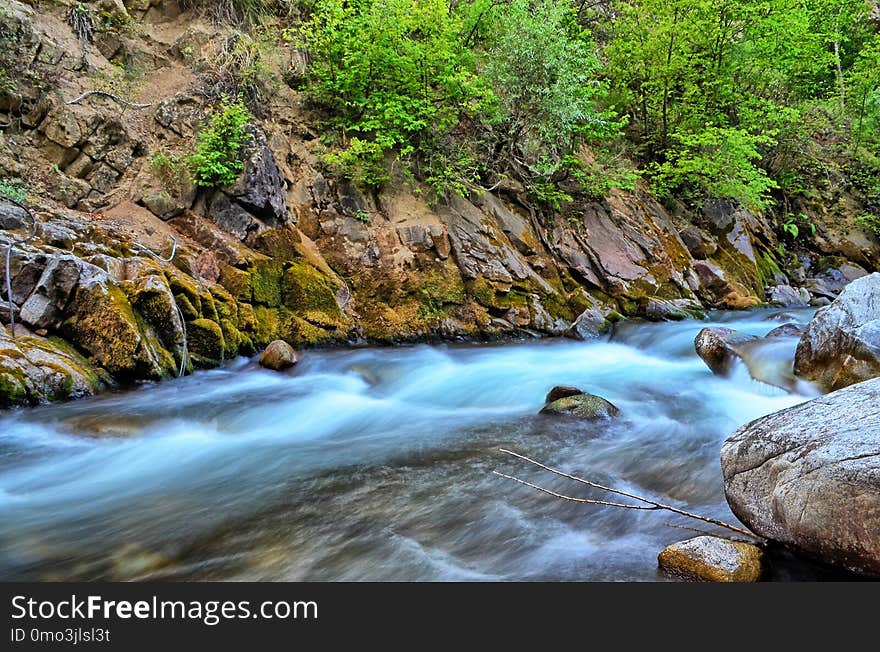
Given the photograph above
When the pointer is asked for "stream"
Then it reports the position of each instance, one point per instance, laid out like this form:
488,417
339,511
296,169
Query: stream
375,464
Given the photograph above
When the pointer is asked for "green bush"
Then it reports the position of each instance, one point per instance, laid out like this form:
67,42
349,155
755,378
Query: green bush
870,222
14,189
217,159
716,162
392,75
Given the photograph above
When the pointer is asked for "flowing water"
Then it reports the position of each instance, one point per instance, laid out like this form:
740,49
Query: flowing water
375,464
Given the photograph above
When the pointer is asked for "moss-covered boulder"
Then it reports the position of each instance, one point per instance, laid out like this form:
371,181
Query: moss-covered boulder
207,345
712,559
105,325
38,370
310,294
582,406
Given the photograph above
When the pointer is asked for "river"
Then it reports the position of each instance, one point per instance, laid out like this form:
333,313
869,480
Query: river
375,464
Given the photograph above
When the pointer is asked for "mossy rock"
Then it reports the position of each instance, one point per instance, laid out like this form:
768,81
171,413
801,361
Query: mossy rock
206,342
713,559
225,303
582,406
266,327
280,243
305,289
266,278
13,388
237,282
232,338
105,325
181,284
247,319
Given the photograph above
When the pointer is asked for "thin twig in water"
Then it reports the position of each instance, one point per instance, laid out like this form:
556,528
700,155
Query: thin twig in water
586,501
113,97
653,503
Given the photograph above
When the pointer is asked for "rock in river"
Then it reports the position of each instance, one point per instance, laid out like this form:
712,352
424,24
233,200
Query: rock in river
561,391
584,406
809,476
279,355
719,347
713,559
841,345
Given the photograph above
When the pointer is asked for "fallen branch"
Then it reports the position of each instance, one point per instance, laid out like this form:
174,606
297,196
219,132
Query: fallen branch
113,97
649,503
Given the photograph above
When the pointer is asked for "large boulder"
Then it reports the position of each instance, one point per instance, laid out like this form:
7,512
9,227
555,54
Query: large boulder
809,476
37,370
713,559
841,345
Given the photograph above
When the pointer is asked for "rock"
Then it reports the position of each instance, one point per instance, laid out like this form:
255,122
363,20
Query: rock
103,323
713,559
786,330
261,190
584,406
700,244
719,347
591,323
206,342
561,391
12,217
36,370
831,283
672,309
809,476
841,345
279,355
788,297
45,307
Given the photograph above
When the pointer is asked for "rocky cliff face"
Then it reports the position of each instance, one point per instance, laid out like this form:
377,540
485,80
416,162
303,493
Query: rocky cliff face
287,251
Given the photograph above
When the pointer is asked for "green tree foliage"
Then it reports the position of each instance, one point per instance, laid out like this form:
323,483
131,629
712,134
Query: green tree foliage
392,74
543,68
718,90
217,158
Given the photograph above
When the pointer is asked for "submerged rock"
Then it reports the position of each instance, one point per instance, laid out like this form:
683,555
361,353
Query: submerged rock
561,391
809,476
279,355
584,406
713,559
841,345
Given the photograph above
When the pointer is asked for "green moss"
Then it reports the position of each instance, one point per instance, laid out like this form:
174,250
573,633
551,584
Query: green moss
226,306
13,390
96,376
183,285
247,320
266,278
236,282
206,342
105,325
266,325
280,243
186,307
306,290
768,268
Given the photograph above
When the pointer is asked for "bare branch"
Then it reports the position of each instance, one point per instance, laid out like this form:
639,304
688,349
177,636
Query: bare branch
654,504
113,97
587,501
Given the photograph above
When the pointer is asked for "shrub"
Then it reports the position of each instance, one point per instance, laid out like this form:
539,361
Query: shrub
14,189
217,159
